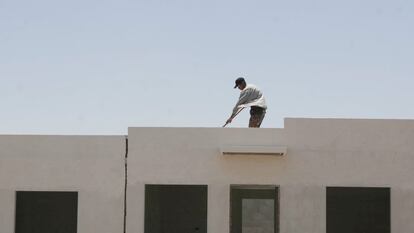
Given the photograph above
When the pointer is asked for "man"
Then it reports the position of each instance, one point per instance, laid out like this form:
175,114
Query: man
250,96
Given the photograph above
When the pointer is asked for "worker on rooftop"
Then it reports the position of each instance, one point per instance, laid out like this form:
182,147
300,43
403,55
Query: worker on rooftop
250,96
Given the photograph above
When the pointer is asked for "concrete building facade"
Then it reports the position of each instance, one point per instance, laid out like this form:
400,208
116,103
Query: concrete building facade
91,166
334,174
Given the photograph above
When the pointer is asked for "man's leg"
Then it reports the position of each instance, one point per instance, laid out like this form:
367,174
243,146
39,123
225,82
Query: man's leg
256,119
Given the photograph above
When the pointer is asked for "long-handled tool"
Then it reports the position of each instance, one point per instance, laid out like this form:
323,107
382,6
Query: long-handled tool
234,116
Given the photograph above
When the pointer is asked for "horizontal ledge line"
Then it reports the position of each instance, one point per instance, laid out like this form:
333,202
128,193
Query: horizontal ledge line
253,150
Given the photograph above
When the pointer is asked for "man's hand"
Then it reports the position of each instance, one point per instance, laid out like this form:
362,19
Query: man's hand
229,120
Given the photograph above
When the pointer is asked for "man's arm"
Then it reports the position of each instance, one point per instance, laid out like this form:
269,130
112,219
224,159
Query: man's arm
243,98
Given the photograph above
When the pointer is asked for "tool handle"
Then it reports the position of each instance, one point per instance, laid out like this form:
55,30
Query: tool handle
234,116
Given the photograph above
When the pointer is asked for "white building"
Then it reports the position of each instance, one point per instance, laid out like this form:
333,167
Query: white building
313,176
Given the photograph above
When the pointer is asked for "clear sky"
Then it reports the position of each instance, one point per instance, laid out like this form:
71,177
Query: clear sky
100,66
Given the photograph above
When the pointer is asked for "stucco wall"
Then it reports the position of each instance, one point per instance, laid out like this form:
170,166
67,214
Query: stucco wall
321,152
91,165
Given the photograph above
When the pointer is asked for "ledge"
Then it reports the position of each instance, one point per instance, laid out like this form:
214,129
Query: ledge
254,150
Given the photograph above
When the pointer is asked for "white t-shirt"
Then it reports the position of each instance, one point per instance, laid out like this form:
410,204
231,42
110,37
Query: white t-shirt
250,96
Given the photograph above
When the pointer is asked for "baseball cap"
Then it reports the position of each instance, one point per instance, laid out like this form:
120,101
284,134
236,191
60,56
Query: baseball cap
239,81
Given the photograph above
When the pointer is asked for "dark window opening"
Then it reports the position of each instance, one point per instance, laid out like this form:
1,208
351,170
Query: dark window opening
358,210
46,212
175,209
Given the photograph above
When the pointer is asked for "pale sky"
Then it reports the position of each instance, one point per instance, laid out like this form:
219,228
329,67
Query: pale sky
101,66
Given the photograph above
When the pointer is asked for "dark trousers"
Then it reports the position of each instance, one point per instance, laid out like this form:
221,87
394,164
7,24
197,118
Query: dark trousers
257,115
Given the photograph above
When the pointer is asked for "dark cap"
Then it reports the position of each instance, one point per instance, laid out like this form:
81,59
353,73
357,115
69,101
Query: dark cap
239,81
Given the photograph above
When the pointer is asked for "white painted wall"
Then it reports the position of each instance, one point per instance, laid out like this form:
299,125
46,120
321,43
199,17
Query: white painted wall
91,165
321,152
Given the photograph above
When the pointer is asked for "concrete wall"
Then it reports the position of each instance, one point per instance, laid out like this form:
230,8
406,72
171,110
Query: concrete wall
321,152
91,165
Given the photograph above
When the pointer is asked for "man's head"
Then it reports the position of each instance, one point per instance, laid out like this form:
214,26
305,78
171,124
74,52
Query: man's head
240,83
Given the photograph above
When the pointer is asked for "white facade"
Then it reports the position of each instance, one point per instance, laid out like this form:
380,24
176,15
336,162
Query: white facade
320,153
93,166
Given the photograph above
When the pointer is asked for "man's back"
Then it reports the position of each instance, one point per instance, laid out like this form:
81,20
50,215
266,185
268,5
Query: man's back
251,96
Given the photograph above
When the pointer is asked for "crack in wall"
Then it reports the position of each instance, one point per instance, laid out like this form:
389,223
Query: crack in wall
126,181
